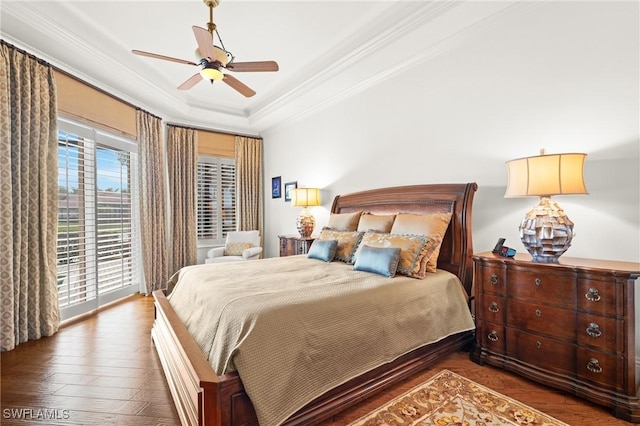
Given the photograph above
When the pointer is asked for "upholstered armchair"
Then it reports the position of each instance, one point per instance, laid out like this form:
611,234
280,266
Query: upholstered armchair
240,245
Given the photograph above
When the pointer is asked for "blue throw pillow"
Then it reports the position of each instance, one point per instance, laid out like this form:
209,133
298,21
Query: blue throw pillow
323,250
379,260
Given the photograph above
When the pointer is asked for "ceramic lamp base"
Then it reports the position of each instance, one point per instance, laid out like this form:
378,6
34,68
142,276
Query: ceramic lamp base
546,231
305,223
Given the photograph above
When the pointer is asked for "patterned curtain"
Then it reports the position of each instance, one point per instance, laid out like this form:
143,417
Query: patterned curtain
182,155
153,218
249,191
28,198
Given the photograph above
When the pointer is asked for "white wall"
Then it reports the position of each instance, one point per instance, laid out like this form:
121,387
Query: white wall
560,76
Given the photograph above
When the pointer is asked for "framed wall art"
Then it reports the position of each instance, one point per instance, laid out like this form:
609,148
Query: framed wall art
287,189
276,187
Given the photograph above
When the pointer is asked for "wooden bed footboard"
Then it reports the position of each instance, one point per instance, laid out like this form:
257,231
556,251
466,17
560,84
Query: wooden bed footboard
202,398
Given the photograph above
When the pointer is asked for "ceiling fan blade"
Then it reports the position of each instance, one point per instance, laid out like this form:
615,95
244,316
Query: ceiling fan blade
205,42
192,81
165,58
238,85
260,66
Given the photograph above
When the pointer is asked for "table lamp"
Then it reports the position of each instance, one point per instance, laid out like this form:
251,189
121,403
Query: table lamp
305,198
546,231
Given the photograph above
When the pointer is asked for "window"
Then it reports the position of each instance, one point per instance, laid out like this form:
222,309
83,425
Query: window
216,209
97,248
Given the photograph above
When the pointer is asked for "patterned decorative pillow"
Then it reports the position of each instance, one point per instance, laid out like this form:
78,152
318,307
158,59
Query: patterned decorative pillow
376,222
236,249
427,253
323,250
344,221
379,260
412,249
347,242
432,225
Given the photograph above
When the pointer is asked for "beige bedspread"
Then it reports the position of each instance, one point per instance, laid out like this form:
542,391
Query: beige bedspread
294,328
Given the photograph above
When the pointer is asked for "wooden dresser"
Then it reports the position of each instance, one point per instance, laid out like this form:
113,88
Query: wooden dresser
294,244
569,325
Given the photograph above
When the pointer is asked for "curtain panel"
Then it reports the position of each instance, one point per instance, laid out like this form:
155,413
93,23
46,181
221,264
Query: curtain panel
28,198
153,216
249,190
182,155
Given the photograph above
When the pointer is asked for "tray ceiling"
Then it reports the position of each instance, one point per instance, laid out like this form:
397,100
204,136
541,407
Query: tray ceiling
326,50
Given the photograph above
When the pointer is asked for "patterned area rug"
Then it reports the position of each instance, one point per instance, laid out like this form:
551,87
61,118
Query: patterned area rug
448,399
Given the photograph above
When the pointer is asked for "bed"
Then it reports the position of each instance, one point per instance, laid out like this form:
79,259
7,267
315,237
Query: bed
204,398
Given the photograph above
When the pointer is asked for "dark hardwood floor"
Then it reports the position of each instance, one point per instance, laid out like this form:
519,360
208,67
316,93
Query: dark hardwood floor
103,370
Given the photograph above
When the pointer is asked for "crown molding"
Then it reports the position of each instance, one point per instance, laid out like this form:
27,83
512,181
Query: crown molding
296,109
371,41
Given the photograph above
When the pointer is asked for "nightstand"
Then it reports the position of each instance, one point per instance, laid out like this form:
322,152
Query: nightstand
569,325
294,244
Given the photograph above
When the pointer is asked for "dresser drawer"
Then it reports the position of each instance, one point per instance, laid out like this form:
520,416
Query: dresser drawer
542,286
544,319
540,351
493,307
597,367
491,336
492,280
601,333
598,297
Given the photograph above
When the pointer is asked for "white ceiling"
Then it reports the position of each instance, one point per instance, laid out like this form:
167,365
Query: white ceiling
326,50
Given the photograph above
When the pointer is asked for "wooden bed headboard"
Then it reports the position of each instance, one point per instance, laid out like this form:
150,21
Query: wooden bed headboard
457,246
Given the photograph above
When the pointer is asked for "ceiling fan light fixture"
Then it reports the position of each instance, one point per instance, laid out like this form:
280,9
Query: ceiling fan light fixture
210,73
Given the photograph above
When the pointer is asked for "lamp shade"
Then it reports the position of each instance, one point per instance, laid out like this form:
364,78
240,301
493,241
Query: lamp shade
546,175
305,197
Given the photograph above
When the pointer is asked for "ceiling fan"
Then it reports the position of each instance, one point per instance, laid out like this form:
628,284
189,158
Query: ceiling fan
214,59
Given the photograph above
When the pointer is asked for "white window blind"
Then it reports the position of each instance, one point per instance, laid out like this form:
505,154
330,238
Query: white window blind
97,251
76,219
216,199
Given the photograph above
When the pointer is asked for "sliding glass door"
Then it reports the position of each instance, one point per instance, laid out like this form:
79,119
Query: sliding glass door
98,248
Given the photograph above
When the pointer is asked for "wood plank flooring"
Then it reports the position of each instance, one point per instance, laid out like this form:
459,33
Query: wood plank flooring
103,370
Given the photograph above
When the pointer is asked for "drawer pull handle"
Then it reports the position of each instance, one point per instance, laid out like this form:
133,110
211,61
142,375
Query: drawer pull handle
594,366
538,344
538,282
593,295
493,336
538,313
493,279
594,330
493,307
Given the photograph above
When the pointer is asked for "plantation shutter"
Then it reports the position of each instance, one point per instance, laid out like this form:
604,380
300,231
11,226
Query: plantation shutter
228,188
216,199
115,208
76,251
